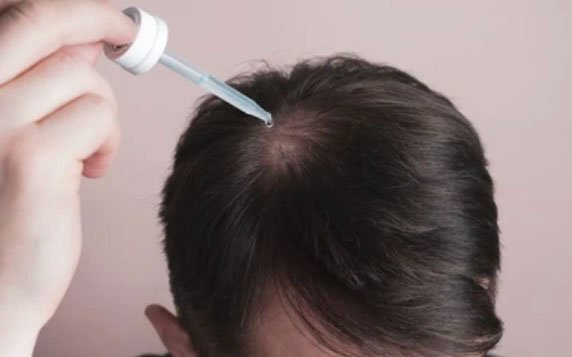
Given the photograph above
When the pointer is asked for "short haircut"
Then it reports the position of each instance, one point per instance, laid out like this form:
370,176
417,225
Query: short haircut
368,207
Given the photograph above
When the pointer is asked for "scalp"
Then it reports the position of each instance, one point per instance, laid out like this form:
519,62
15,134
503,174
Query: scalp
368,206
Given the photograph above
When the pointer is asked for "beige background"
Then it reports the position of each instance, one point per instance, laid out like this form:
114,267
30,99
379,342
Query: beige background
507,64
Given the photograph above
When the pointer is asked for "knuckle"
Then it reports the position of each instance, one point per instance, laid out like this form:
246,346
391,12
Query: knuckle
101,87
82,73
94,100
106,88
100,105
31,12
108,93
91,82
70,64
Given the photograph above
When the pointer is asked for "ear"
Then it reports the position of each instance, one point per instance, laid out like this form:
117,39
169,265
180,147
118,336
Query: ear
170,331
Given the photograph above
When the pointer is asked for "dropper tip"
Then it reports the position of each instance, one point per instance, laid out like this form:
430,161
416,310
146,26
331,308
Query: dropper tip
269,122
267,118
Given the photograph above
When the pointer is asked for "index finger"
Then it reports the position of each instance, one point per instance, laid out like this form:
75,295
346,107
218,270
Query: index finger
31,30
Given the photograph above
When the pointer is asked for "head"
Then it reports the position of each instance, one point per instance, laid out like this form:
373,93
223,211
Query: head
361,224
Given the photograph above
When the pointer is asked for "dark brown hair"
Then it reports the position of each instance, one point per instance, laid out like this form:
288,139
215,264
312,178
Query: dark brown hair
368,206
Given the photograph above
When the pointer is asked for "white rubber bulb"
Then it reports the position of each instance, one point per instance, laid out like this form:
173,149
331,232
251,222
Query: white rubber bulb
149,45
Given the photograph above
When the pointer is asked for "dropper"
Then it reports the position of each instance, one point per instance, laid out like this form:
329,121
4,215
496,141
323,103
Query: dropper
148,49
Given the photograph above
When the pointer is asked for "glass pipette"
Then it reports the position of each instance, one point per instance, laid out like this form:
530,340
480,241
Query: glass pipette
216,87
148,49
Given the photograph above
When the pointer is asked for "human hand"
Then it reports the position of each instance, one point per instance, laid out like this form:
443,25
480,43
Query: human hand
57,122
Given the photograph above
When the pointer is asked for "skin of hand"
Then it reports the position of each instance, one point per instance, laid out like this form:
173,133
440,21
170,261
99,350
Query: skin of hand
57,123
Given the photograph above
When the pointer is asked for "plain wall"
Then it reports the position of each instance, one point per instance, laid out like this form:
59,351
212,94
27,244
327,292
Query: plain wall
506,64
